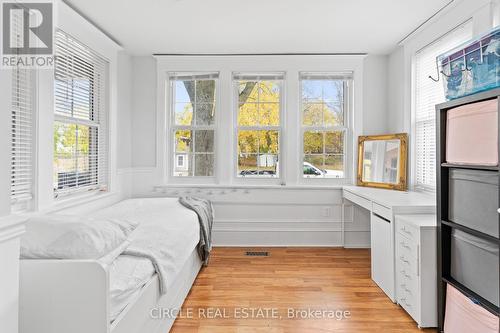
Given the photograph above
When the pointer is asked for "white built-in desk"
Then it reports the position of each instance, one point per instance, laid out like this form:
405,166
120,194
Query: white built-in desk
384,205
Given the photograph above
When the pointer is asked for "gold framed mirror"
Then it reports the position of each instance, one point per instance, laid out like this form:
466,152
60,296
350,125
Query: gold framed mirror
382,161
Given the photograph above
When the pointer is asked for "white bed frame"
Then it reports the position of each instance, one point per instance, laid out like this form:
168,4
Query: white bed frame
72,296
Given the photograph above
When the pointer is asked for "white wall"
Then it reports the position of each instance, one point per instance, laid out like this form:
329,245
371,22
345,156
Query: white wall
124,114
300,214
144,112
395,91
375,116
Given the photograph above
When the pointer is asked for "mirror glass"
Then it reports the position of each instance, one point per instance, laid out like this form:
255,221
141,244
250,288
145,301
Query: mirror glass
381,161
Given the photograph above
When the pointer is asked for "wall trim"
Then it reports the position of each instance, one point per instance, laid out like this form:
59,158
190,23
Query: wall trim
12,227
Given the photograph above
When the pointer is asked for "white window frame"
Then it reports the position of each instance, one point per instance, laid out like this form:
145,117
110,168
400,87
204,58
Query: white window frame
346,128
102,151
173,127
262,76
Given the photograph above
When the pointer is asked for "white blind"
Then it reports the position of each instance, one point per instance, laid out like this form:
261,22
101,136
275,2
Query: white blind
22,134
258,76
80,129
427,94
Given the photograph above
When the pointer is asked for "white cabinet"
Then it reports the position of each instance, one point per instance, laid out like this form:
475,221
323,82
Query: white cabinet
416,268
382,251
10,230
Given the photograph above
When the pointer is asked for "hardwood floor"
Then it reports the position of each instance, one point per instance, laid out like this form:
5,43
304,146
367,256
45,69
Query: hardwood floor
334,280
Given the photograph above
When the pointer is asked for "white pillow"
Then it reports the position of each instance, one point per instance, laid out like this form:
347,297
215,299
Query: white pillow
73,237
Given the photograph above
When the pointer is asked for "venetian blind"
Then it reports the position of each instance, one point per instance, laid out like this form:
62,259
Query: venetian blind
81,132
22,130
427,94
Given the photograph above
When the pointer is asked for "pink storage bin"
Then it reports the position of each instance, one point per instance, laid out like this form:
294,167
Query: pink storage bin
464,316
472,134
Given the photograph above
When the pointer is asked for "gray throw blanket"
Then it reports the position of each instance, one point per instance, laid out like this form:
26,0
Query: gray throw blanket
203,208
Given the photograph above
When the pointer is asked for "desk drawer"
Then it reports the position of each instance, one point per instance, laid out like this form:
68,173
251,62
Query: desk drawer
408,301
365,203
405,246
382,211
407,263
407,229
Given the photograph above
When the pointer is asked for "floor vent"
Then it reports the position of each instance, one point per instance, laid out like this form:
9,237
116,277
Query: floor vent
257,254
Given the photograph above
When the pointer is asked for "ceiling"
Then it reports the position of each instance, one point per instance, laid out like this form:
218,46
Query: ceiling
259,26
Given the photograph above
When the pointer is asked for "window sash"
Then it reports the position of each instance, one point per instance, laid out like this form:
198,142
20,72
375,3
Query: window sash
80,98
346,77
173,77
237,78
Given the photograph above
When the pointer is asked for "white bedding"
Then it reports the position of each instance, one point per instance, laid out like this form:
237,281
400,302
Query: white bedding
127,276
180,234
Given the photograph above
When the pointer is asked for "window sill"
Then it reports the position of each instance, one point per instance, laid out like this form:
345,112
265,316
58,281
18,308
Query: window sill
165,187
77,199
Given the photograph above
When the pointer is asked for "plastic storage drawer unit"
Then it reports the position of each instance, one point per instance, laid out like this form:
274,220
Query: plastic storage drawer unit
464,316
474,263
473,199
472,134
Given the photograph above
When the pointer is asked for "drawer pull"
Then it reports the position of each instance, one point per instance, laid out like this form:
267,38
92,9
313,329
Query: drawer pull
406,231
403,244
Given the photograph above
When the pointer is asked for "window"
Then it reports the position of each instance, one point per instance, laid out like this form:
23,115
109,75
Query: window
80,127
22,135
193,108
258,124
427,94
324,124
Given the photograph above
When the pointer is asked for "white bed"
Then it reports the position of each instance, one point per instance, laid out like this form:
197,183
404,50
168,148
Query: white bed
82,296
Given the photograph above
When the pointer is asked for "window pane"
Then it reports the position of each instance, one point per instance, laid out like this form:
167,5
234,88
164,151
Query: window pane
268,142
204,141
269,91
267,164
205,114
312,90
314,160
334,142
247,91
313,142
333,91
75,155
183,141
205,91
333,114
83,134
248,142
269,114
247,165
248,114
183,114
183,167
204,165
334,166
313,114
64,152
181,92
